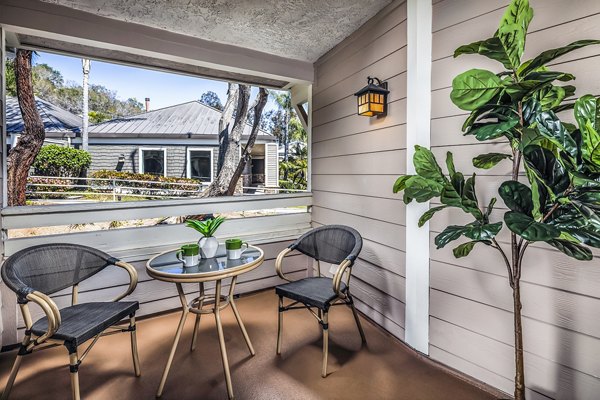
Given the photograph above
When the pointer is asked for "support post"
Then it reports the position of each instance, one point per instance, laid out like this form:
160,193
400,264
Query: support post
418,112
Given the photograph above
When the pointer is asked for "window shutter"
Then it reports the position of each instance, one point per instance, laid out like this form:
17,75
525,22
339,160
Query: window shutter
271,165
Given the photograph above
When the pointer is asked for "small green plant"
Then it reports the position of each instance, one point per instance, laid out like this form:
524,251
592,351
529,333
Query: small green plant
55,160
208,227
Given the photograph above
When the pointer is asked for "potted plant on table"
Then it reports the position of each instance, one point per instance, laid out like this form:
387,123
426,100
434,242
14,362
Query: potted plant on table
553,194
208,242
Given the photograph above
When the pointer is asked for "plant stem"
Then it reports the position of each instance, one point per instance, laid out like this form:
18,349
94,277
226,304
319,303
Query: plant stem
519,361
496,245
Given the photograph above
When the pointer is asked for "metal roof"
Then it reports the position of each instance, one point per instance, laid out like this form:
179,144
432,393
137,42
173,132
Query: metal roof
190,119
55,119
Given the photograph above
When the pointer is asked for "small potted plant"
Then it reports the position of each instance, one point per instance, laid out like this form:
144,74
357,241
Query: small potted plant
208,242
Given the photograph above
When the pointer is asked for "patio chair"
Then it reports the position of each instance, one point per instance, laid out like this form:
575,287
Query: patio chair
335,244
36,272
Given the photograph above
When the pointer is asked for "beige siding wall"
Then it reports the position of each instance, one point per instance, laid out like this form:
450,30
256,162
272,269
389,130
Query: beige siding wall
471,319
356,160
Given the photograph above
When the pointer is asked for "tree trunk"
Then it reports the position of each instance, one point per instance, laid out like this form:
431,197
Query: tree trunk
229,148
519,361
259,105
225,121
85,114
21,156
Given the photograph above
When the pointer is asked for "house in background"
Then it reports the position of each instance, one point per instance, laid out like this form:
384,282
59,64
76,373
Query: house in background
61,126
176,141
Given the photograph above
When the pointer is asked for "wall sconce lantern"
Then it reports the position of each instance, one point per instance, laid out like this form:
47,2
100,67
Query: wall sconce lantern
372,99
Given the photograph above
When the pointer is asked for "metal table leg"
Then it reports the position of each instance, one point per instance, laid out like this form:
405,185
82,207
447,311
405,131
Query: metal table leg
238,318
184,314
222,339
197,322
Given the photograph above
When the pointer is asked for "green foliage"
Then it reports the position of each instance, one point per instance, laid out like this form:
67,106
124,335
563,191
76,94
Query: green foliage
560,202
55,160
49,84
207,227
11,78
130,178
211,99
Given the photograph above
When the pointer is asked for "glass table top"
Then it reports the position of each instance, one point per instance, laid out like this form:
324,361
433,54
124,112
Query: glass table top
167,263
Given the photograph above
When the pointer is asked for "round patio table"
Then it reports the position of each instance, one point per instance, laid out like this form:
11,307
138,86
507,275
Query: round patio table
166,267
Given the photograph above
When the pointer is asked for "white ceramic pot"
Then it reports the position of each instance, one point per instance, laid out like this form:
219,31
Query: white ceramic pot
208,246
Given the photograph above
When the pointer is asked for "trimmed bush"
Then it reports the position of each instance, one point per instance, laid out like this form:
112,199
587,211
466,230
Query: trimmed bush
130,177
55,160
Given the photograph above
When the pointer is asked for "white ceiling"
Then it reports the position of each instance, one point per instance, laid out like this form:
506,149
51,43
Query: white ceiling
298,29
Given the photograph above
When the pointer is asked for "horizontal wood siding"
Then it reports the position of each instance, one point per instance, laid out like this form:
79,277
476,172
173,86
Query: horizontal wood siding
471,303
356,160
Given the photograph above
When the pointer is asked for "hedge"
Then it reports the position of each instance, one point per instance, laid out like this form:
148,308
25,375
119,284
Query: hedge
55,160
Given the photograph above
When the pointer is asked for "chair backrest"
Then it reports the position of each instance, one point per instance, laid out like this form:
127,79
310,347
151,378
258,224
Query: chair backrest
330,243
49,268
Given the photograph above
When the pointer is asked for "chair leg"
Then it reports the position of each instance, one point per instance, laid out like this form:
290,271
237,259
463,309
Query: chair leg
74,367
134,347
15,368
358,324
325,326
280,325
12,376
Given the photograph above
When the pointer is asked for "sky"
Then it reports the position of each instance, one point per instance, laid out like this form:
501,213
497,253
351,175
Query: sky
163,89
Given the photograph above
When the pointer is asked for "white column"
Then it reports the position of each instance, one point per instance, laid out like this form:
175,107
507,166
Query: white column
418,132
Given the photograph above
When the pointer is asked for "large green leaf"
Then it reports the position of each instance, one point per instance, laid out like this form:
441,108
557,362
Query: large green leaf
429,214
448,235
491,131
512,31
535,82
464,249
547,168
516,196
529,229
587,235
551,97
450,164
549,55
491,48
400,183
573,250
551,127
590,149
487,161
422,189
587,108
474,231
469,197
478,231
474,88
426,165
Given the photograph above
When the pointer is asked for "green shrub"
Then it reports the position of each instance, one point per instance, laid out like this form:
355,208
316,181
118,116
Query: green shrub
130,176
55,160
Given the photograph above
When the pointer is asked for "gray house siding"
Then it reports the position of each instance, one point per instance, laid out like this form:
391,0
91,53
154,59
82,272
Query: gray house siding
106,156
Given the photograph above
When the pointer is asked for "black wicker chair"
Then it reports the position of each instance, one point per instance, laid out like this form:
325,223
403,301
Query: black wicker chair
36,272
335,244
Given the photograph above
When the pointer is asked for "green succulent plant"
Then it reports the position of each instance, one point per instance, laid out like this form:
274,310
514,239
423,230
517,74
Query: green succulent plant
558,201
207,227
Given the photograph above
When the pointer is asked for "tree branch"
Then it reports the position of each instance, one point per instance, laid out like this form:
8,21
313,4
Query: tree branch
506,261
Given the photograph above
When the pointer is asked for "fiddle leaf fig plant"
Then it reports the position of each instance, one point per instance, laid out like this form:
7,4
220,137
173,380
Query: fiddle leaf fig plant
553,194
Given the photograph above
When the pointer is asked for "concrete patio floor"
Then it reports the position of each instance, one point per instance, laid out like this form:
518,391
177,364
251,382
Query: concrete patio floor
384,369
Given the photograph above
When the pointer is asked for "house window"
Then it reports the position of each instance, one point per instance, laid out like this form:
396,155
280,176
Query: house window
153,161
200,164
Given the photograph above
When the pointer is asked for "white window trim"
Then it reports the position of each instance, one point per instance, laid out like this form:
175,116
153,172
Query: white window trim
141,159
212,162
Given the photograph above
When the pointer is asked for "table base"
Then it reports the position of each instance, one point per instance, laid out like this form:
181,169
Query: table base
196,307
